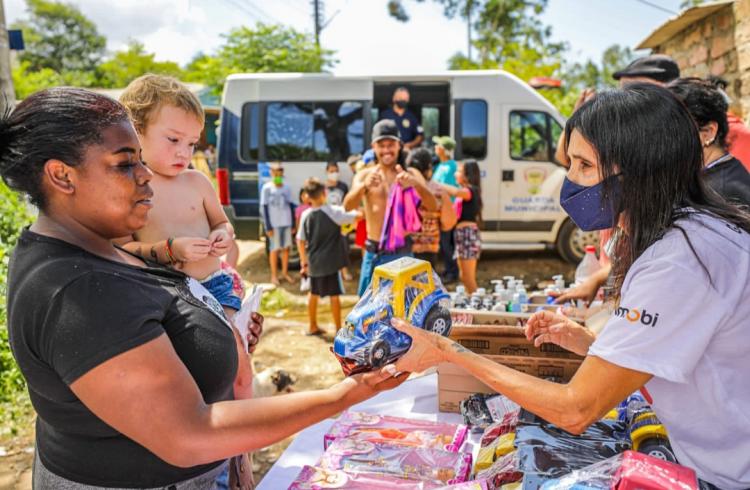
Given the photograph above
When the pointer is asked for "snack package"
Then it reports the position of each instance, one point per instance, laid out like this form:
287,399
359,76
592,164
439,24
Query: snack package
315,478
406,288
628,471
384,429
505,470
480,410
413,463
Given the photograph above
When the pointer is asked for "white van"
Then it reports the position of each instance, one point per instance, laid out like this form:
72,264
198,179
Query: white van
306,120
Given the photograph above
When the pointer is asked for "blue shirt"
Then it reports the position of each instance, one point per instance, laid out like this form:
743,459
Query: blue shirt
445,173
407,124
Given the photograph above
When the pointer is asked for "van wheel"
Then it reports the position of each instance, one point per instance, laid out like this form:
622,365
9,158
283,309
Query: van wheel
572,242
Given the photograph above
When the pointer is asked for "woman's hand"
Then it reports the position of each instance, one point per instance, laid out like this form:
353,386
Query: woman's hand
427,348
547,327
186,249
255,330
360,387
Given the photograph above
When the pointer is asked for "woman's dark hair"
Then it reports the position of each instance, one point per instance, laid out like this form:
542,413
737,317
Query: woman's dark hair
705,103
473,177
420,159
54,124
644,134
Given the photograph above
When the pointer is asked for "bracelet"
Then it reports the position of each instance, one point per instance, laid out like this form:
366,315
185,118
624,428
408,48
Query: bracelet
170,253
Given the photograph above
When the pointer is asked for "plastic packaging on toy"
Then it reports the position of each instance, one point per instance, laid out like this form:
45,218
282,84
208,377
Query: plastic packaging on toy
414,463
468,485
628,471
502,472
384,429
406,288
315,478
480,410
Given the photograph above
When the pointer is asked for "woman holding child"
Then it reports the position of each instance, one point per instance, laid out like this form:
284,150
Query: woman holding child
131,370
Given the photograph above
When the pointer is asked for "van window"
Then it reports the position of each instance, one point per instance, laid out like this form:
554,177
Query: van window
473,137
533,136
314,131
430,123
251,131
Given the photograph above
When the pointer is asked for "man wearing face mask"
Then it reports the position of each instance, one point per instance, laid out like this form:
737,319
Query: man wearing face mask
411,131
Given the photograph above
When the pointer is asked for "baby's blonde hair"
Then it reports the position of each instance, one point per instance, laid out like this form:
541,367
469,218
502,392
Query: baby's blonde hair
145,95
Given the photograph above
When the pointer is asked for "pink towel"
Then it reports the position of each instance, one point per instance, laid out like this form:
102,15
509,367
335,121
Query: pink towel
401,218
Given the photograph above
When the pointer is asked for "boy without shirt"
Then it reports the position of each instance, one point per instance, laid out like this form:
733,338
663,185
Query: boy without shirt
187,226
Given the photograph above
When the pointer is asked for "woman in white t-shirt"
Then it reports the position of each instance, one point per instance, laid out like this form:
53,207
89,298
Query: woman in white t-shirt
682,277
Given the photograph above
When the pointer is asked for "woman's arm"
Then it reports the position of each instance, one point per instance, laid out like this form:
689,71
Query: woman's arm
148,394
448,216
462,192
595,389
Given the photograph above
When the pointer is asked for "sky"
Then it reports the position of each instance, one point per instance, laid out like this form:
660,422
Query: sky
365,38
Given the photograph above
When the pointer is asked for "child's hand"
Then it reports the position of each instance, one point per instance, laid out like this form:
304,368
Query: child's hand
269,233
187,249
220,242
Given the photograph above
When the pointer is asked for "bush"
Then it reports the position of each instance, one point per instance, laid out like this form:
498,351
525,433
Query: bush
14,216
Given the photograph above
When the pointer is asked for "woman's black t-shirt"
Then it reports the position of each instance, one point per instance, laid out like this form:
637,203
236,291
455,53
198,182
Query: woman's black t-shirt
69,311
470,209
731,180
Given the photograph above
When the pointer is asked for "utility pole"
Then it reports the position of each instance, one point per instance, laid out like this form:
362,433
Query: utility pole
318,19
7,94
469,8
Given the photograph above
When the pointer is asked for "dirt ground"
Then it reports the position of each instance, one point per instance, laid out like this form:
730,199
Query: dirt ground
285,345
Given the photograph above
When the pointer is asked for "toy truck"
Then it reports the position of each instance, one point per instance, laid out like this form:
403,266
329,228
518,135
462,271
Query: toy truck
404,288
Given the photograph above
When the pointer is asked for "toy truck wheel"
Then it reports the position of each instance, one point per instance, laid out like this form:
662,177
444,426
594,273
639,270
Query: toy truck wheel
658,448
378,354
438,320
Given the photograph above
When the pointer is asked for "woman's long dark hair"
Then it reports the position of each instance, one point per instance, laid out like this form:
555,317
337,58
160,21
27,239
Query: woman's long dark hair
648,137
473,177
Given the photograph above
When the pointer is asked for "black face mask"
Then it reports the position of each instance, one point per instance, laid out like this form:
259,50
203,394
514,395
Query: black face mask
401,104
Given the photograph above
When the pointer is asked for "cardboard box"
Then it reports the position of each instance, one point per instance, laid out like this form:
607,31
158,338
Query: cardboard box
501,344
484,317
455,384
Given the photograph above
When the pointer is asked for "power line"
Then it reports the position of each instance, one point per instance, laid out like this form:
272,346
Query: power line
657,7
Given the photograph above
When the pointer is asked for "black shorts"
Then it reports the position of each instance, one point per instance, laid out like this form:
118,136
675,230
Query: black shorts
329,285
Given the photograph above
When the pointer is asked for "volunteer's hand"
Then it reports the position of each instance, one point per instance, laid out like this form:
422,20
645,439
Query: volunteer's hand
427,348
186,249
220,242
404,178
255,330
360,387
585,291
547,327
373,180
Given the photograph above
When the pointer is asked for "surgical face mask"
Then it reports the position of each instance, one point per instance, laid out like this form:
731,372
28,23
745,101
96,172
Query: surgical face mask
333,176
586,205
401,104
278,179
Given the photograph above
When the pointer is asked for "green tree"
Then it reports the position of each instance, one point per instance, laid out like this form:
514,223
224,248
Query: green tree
59,37
132,62
26,82
263,48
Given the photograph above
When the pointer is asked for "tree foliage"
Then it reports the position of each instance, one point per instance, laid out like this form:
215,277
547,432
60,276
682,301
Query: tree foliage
130,63
59,37
264,48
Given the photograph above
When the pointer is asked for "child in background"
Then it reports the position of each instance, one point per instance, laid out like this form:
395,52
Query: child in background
468,206
336,192
304,205
278,219
322,252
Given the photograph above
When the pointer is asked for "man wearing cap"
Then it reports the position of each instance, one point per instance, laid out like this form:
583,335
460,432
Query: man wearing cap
657,68
445,173
372,186
411,131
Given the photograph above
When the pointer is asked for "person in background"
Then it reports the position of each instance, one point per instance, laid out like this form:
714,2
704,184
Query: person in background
408,125
445,173
682,278
723,172
322,252
356,164
374,189
738,137
278,220
427,239
336,191
468,206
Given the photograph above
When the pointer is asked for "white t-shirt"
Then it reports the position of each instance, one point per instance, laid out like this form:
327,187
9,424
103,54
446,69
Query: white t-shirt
694,338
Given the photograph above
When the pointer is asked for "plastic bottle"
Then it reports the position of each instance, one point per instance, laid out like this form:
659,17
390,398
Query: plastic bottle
460,299
523,297
588,266
559,282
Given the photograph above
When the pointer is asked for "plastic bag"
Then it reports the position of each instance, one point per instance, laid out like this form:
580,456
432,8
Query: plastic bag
469,485
503,471
628,471
384,429
480,410
304,283
414,463
405,288
315,478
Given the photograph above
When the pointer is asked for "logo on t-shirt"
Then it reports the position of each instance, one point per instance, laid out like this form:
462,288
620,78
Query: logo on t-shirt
634,315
